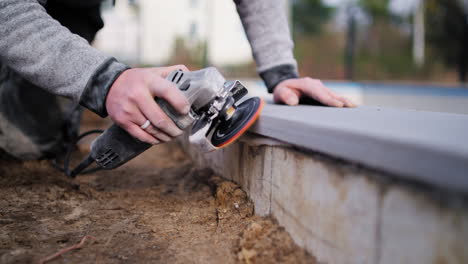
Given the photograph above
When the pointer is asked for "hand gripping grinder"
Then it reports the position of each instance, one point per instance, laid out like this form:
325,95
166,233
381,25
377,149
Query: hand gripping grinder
217,117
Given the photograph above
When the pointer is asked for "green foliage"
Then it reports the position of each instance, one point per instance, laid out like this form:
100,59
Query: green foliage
383,49
391,59
309,16
377,9
320,55
383,52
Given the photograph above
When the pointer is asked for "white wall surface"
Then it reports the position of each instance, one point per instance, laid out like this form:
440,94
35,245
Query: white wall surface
119,37
150,36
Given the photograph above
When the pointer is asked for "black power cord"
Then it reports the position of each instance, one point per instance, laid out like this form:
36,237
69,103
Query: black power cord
85,163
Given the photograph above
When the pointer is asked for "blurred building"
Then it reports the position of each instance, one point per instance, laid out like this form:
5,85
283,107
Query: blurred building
145,31
120,35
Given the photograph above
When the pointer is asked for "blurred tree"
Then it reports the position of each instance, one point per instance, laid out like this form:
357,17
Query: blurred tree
383,46
350,47
448,34
309,16
379,15
376,44
376,9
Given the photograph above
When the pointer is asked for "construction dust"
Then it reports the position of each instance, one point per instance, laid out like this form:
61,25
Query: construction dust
156,209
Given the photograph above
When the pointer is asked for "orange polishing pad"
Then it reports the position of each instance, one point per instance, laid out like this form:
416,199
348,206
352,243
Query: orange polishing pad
245,116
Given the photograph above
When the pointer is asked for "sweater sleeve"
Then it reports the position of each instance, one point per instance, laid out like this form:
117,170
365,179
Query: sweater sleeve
39,49
267,29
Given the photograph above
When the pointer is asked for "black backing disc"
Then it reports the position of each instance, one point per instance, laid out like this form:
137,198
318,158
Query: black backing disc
229,130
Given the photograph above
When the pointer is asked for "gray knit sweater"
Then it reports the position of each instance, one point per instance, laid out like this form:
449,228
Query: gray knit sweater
47,54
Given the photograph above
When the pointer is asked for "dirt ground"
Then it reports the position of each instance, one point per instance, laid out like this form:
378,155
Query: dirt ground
156,209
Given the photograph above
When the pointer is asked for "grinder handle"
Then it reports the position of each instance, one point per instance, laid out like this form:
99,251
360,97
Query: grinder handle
115,146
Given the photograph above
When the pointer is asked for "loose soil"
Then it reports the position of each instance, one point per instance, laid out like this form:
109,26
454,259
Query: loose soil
156,209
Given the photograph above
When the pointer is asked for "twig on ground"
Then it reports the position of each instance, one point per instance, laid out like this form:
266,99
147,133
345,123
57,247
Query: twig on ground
65,250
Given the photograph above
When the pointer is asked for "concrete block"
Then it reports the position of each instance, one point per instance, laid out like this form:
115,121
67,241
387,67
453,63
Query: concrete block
414,229
343,215
332,213
256,176
231,158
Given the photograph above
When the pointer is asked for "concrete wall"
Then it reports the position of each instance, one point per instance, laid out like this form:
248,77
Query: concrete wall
342,213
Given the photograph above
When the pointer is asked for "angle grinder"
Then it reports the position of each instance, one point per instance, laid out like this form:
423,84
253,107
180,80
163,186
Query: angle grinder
219,115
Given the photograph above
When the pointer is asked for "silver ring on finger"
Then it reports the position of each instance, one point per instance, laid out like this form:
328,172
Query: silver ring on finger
146,124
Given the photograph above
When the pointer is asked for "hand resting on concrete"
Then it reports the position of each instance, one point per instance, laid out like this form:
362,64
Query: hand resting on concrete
290,91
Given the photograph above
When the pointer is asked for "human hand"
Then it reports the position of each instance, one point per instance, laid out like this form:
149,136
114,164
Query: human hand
130,103
290,91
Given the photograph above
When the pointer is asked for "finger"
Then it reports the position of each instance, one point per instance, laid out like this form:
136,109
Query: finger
329,100
158,133
167,90
139,119
321,93
287,96
346,102
324,97
157,117
300,84
164,71
138,133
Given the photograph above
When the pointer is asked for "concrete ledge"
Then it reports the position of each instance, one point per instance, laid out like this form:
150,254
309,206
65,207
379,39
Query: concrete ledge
423,146
343,213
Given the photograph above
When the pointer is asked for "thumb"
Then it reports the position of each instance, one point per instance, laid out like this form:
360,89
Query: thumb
286,96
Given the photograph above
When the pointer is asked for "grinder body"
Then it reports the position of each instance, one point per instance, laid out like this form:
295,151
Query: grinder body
211,99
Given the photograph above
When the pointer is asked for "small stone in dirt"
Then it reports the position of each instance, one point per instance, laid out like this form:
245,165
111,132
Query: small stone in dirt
246,255
264,241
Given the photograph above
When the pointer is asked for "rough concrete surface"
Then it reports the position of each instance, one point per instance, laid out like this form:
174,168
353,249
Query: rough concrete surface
416,231
331,211
342,213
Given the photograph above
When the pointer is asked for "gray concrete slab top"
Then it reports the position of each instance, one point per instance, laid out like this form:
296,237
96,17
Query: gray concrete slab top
429,147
